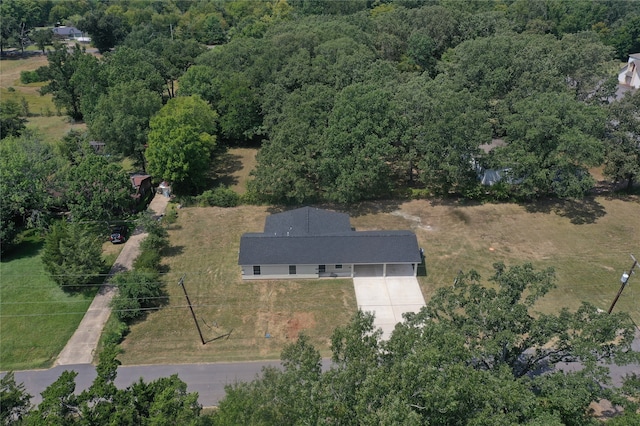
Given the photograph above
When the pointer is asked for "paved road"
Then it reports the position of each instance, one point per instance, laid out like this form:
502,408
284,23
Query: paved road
208,379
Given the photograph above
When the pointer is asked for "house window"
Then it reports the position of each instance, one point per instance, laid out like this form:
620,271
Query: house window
322,268
256,270
338,266
292,269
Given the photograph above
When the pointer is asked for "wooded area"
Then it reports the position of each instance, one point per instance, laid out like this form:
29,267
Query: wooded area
350,100
346,101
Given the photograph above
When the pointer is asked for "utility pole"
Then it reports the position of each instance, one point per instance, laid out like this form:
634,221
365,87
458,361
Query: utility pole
181,283
624,279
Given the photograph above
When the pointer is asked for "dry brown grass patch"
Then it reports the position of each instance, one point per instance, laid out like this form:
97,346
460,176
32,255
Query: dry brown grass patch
588,256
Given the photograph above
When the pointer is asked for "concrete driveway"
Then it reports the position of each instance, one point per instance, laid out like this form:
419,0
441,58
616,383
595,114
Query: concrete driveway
84,341
388,297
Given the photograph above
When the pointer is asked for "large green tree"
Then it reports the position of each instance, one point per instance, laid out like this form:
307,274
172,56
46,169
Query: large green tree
72,74
519,65
173,58
126,65
552,141
19,17
72,255
96,189
121,119
288,163
474,355
164,401
27,165
12,122
622,158
440,129
357,145
106,30
15,402
42,38
182,142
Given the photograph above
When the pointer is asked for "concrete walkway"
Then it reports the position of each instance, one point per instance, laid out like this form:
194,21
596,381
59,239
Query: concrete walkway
389,297
82,345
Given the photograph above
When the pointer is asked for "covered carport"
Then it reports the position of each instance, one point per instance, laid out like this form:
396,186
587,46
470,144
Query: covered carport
385,270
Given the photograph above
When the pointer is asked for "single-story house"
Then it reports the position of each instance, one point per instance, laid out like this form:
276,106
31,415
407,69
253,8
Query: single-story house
630,74
312,243
68,33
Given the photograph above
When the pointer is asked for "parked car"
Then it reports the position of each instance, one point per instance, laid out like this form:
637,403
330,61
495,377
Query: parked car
118,235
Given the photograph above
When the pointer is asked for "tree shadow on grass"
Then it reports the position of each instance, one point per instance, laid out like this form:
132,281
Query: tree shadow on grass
579,212
353,210
228,164
172,251
28,247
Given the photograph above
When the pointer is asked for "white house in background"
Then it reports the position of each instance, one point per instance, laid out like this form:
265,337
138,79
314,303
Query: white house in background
70,33
312,243
630,73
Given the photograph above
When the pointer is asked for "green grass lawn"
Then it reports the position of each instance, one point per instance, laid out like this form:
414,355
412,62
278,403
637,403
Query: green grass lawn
36,316
43,114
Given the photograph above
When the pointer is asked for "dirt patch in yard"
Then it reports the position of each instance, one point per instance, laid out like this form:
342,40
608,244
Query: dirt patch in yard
300,322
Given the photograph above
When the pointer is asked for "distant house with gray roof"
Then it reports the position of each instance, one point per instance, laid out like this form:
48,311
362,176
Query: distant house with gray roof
312,243
70,33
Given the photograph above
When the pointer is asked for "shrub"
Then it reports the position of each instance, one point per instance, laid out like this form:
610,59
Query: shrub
72,255
250,197
171,215
420,193
148,261
138,291
220,197
152,226
114,332
153,242
27,77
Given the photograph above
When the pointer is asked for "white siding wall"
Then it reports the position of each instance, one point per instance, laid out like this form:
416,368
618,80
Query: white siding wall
344,272
630,76
268,272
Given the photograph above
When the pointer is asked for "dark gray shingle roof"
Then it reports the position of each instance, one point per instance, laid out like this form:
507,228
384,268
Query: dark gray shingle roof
307,221
321,237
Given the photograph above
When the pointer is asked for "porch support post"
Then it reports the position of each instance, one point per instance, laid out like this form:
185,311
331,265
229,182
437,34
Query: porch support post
384,269
353,270
415,269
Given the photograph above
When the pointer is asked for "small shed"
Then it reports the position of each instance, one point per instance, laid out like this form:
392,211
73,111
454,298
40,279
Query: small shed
165,189
141,183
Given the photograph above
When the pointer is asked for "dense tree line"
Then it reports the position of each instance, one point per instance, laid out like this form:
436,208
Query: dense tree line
350,101
347,101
